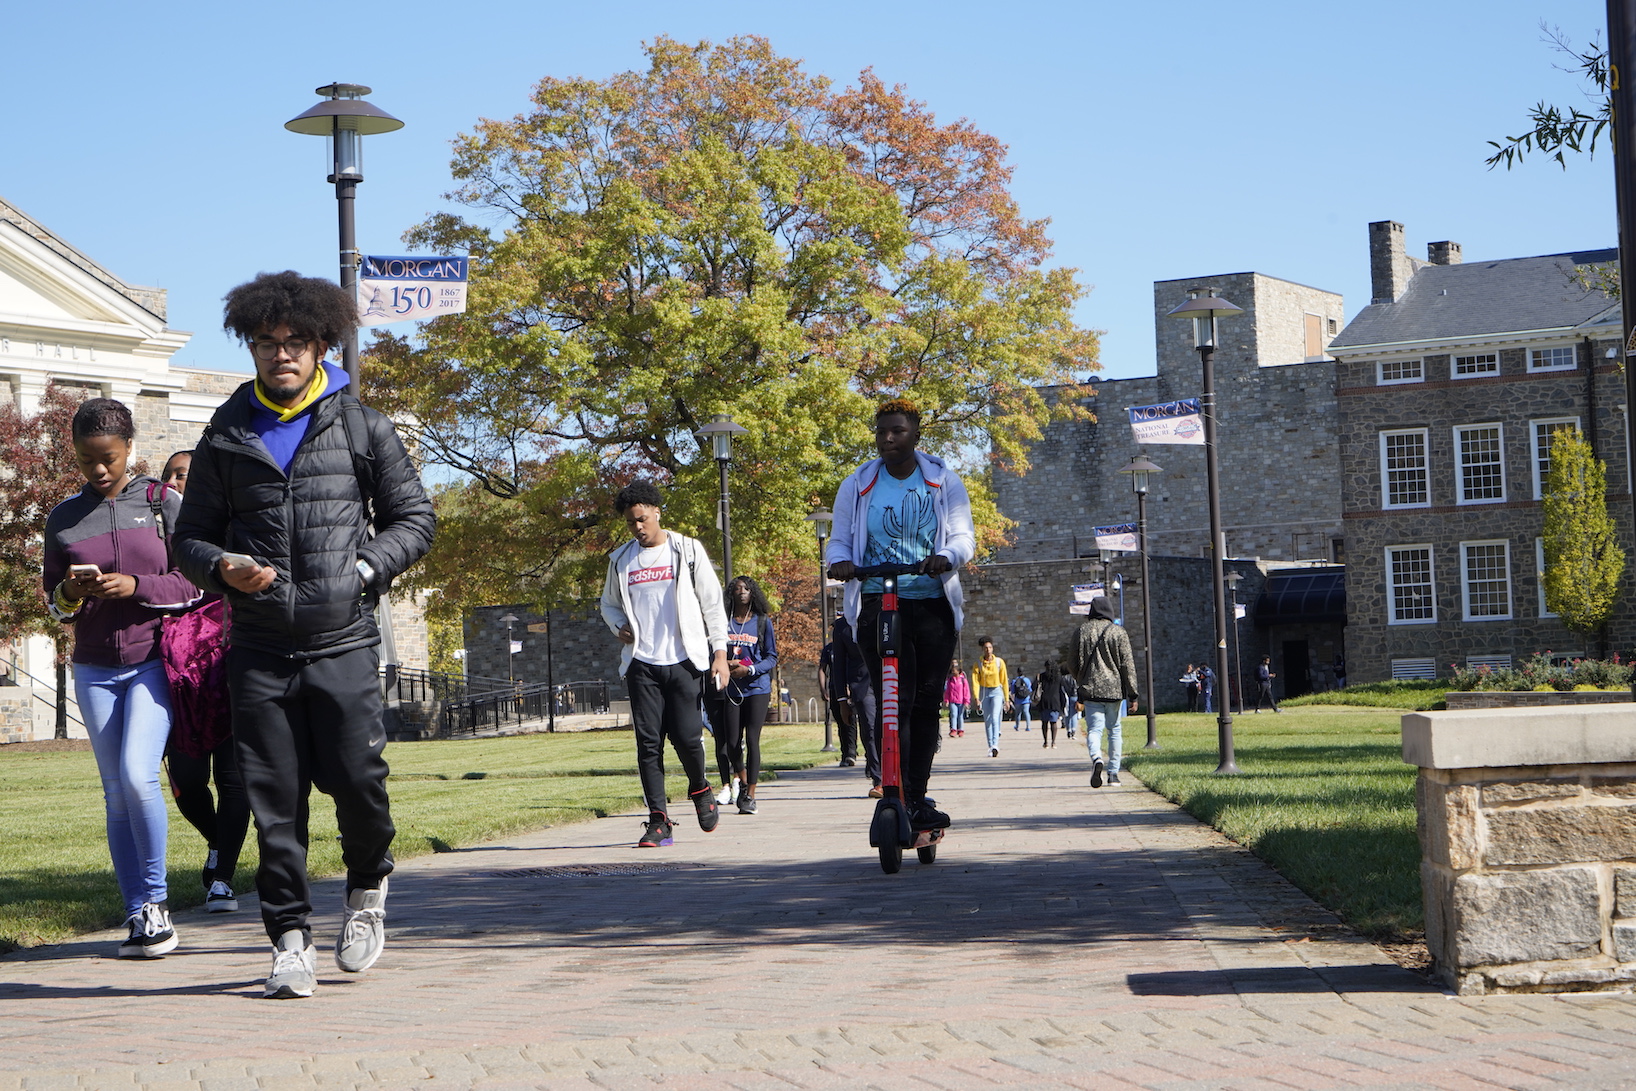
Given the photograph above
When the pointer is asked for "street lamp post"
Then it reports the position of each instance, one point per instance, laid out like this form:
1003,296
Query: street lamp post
344,119
821,519
720,432
509,619
1139,469
1203,307
1107,579
1238,641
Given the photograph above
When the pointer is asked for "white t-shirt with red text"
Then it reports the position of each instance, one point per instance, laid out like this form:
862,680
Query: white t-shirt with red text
651,589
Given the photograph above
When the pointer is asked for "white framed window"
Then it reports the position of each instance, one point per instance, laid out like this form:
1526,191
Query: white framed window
1414,668
1539,576
1390,372
1480,363
1485,580
1543,429
1403,474
1410,597
1555,358
1480,453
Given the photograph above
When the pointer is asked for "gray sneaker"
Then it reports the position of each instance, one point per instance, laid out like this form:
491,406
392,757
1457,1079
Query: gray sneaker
363,932
295,967
1113,779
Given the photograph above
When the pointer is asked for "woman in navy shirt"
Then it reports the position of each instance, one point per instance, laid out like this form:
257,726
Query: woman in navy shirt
740,712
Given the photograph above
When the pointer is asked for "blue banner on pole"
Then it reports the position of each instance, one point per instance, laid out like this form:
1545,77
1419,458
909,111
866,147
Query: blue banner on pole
1121,538
400,289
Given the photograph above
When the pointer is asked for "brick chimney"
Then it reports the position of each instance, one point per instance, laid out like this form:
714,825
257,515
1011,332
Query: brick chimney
1443,253
1390,266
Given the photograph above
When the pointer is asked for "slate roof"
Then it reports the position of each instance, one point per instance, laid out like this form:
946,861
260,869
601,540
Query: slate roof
151,300
1482,297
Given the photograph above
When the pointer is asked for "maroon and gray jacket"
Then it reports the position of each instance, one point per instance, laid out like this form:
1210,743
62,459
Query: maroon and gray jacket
117,534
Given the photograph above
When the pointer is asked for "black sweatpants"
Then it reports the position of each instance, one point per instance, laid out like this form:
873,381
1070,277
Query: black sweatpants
665,705
222,820
926,647
738,735
300,724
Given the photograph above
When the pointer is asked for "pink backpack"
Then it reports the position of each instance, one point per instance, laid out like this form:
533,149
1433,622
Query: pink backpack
193,647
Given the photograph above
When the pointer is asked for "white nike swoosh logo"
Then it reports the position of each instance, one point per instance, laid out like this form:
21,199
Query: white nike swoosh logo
376,742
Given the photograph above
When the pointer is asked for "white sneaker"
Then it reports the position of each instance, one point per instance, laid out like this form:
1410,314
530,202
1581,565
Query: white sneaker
295,967
728,793
363,932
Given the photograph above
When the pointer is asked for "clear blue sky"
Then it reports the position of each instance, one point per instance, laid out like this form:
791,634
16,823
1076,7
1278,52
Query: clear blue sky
1162,140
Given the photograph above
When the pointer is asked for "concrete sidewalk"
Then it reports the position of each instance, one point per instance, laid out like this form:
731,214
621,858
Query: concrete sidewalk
1066,938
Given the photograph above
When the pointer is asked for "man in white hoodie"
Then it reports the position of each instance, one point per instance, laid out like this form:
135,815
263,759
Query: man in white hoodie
663,601
906,507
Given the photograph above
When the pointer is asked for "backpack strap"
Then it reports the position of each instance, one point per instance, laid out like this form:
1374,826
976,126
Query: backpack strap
156,504
363,451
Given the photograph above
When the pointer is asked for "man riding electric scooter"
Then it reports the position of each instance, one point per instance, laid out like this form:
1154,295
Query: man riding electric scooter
906,508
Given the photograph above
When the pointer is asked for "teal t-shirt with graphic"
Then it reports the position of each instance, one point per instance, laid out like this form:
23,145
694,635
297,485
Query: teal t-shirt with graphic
902,530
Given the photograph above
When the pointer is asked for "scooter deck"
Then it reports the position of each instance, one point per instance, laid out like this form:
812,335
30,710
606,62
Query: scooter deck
923,838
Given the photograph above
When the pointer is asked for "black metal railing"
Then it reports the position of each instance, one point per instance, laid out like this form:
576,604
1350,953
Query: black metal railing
519,703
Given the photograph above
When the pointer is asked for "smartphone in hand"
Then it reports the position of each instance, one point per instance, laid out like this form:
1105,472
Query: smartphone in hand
239,560
84,571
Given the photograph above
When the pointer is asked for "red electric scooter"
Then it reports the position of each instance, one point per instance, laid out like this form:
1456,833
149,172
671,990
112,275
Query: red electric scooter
890,832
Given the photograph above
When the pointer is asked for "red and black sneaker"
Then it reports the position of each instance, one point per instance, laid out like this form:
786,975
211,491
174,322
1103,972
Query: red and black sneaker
704,802
657,832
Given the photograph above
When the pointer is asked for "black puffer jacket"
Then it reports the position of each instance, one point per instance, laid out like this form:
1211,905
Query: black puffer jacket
309,526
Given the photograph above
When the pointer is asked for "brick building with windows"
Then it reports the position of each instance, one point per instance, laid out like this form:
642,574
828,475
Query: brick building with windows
1449,387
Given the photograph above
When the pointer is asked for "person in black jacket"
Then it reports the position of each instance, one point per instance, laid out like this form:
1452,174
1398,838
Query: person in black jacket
287,483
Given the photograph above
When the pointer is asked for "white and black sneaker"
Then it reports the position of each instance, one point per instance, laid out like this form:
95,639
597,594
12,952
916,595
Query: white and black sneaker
363,932
295,967
1096,772
220,898
208,872
151,934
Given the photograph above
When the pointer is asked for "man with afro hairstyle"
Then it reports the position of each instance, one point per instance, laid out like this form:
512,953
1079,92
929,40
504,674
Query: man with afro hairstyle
301,508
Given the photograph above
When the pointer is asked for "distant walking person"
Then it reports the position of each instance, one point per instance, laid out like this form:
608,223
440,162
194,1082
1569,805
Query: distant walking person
1190,683
957,695
988,678
108,573
1106,670
1207,687
1070,700
849,678
738,712
1263,684
663,601
1049,688
302,506
1022,699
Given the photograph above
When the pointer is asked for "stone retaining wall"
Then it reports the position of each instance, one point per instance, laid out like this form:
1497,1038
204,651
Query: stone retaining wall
16,716
1527,826
1531,699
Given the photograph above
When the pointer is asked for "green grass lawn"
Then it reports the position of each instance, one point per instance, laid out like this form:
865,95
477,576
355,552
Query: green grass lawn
1324,797
56,881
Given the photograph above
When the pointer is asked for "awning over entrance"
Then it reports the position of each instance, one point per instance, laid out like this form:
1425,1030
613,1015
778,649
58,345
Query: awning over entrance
1303,596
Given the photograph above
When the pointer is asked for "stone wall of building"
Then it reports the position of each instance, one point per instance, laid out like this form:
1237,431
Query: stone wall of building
16,716
581,647
1513,399
1278,461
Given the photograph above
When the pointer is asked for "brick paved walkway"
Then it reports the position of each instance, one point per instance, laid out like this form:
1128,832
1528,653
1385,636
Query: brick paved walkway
1067,938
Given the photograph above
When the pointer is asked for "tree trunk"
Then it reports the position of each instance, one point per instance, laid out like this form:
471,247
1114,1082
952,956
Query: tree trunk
62,692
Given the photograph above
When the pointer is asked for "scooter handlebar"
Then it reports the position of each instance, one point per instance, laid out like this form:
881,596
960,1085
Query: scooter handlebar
876,571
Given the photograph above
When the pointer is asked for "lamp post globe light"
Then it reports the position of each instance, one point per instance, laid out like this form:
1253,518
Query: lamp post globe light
719,434
820,520
1238,641
1202,307
343,120
1139,469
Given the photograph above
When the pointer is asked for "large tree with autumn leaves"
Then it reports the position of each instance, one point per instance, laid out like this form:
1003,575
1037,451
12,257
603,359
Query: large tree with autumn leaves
723,232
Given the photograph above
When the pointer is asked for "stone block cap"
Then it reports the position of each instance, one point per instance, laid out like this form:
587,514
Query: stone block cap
1499,737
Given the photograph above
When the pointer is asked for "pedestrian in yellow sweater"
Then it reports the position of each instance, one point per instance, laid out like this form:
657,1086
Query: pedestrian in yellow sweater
988,680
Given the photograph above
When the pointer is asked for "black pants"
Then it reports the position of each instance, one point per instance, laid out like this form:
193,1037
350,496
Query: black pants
301,724
926,646
862,704
1263,692
738,736
665,705
223,820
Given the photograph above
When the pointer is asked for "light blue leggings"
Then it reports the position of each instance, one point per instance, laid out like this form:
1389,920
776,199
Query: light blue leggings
127,715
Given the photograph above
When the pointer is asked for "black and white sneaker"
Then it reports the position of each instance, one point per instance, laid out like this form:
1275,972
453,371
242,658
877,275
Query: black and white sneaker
746,803
1096,772
151,934
924,816
1113,779
220,898
207,874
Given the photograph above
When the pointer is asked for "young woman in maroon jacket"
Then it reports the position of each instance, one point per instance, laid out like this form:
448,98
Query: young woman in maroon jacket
108,573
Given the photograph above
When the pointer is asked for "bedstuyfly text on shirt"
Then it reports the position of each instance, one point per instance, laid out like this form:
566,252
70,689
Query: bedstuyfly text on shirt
651,589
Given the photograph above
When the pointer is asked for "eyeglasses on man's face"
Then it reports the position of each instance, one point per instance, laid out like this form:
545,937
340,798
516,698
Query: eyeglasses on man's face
294,347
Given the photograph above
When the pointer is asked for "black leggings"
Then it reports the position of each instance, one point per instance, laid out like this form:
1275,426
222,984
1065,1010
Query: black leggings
222,821
927,636
738,736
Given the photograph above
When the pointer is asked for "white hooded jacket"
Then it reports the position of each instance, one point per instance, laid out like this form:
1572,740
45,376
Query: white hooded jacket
702,616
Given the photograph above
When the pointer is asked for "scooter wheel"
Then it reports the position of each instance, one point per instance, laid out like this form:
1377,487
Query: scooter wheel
927,853
891,858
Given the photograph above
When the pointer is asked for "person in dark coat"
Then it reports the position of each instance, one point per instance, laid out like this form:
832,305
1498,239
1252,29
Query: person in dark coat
1048,696
287,485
